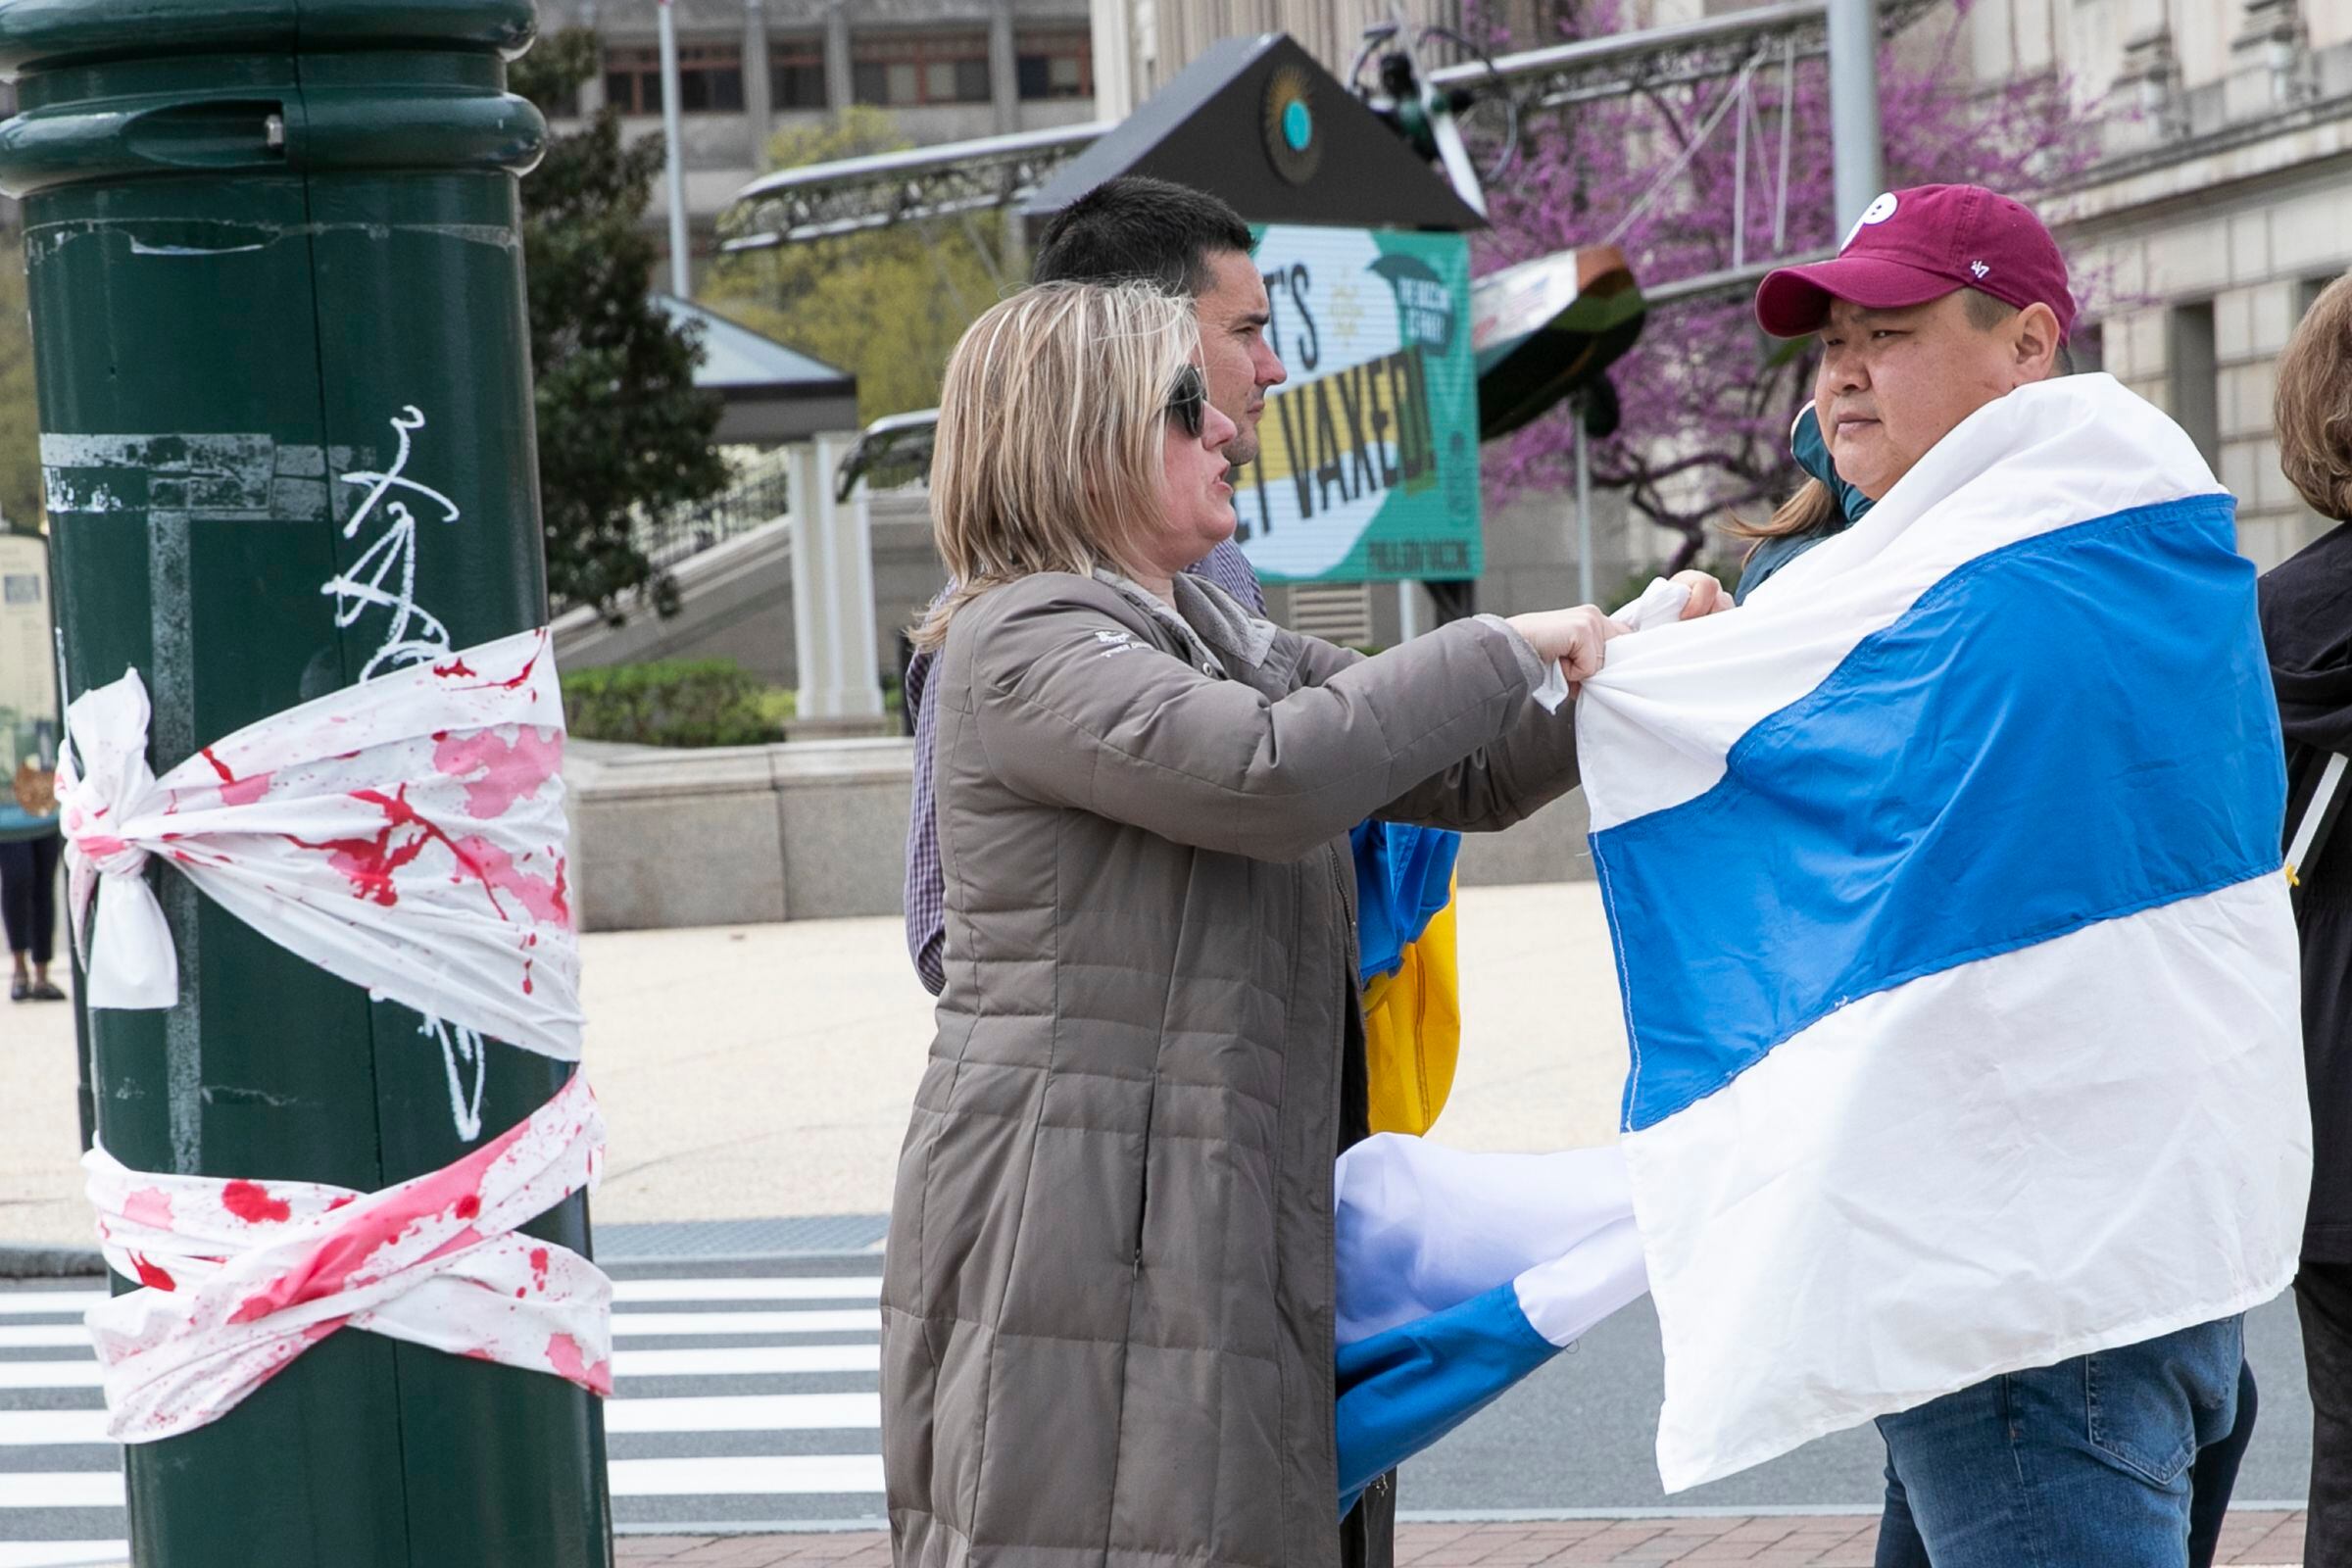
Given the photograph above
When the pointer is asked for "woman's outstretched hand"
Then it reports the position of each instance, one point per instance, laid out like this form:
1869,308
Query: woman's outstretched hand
1571,638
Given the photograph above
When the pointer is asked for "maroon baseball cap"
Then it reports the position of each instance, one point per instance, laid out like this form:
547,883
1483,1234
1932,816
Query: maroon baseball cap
1912,246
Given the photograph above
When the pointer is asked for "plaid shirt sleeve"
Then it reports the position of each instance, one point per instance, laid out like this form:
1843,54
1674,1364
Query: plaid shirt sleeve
1230,569
926,889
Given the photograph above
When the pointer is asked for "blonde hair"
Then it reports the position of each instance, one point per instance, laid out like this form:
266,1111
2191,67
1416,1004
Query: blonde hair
1811,508
2314,407
1051,424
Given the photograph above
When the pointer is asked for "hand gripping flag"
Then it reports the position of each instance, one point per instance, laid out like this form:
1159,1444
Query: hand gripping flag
1460,1274
1958,971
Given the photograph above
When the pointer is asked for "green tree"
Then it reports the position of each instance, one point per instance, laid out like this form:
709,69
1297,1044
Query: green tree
886,306
19,434
622,427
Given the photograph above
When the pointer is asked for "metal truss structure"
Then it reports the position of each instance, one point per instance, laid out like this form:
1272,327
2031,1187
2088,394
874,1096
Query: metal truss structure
855,194
964,177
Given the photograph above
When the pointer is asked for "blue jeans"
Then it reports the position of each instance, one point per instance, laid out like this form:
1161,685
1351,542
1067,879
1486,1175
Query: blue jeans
2088,1461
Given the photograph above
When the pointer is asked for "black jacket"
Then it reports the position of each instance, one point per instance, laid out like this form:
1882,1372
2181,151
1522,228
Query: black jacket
2307,625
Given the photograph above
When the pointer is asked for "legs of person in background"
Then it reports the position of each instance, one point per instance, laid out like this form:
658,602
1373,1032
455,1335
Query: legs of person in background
1899,1546
29,910
2323,1300
2212,1477
2087,1461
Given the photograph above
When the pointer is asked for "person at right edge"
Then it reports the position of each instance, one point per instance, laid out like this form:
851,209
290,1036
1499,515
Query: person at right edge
2307,626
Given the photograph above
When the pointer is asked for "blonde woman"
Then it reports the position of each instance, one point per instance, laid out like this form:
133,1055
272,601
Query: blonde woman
1108,1300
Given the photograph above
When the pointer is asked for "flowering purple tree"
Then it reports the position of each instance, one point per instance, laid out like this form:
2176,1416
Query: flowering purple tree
1707,398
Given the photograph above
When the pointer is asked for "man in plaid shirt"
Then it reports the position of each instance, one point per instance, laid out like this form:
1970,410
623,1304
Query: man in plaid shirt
1128,229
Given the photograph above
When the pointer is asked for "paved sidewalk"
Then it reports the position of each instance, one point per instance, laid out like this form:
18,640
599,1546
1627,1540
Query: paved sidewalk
2270,1539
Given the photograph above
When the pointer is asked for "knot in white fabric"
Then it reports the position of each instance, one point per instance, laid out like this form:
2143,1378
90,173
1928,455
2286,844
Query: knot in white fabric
406,834
112,786
241,1277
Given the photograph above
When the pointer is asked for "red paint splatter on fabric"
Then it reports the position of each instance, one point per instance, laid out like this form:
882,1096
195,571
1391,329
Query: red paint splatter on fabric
150,1206
251,1202
372,866
520,676
349,1253
323,1328
347,1198
511,771
101,846
451,671
538,1269
470,1205
545,900
564,1354
154,1278
235,791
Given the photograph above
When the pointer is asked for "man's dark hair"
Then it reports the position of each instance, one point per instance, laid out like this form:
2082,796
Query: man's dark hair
1136,230
1985,312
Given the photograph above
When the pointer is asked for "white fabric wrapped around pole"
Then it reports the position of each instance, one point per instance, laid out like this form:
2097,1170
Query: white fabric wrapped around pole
240,1277
405,834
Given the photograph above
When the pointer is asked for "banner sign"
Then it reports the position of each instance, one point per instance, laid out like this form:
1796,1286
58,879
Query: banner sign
1367,469
28,719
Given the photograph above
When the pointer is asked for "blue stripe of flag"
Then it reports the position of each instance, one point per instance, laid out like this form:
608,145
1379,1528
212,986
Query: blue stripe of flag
2070,729
1405,1388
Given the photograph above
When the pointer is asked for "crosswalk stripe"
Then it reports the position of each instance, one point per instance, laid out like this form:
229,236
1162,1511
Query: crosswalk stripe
67,1489
748,1412
39,1303
744,1361
746,1475
66,1374
42,1335
626,1292
740,1475
60,1553
29,1429
647,1325
752,1413
750,1360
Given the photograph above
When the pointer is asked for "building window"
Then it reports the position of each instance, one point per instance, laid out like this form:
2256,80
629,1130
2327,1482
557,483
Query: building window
2196,376
1055,65
2308,292
710,80
2088,347
898,72
796,75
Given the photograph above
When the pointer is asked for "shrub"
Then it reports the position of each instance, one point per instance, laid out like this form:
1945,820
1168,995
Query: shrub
707,702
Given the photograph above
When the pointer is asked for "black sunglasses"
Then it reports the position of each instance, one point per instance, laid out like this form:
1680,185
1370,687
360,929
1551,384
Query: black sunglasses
1188,401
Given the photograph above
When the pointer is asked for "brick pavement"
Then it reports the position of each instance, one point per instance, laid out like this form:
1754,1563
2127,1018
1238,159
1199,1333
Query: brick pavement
2271,1540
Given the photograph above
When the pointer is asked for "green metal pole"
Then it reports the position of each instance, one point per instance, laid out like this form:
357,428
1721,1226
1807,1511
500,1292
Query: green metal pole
272,244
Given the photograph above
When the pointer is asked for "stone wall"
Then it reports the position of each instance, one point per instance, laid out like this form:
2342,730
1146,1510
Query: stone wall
818,829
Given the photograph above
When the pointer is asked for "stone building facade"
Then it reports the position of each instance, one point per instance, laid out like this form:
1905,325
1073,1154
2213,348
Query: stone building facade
2219,209
946,70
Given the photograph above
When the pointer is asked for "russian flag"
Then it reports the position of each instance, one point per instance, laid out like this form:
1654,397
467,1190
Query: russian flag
1958,971
1458,1274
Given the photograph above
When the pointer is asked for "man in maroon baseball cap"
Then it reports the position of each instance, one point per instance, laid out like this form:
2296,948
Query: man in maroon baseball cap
1941,299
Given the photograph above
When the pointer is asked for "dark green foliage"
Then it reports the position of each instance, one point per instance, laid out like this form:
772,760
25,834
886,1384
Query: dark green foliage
621,423
704,702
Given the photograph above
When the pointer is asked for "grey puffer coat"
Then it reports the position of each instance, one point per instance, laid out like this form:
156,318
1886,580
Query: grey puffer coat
1107,1303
